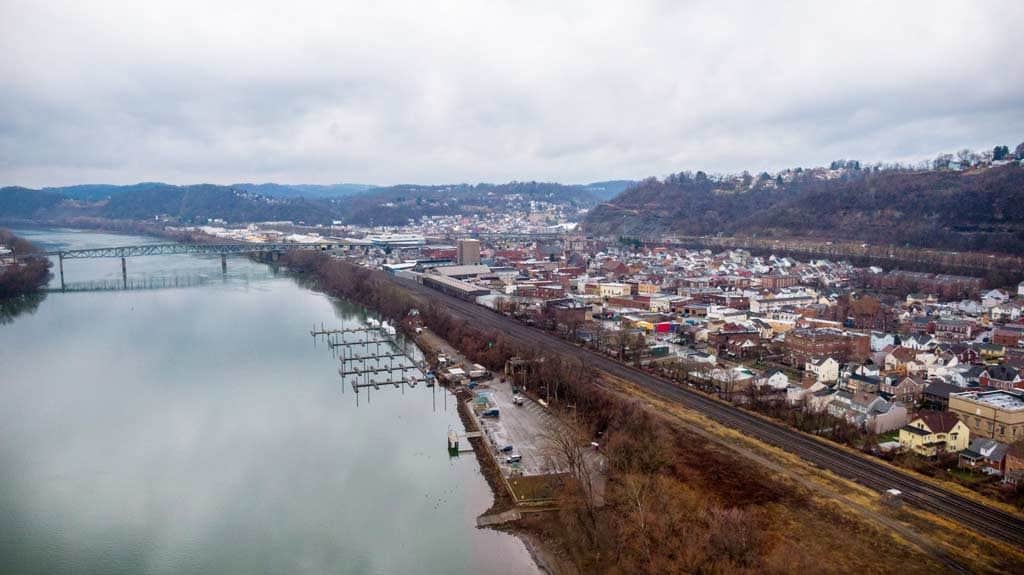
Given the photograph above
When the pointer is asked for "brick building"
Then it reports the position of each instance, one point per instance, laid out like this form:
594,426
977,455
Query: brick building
805,344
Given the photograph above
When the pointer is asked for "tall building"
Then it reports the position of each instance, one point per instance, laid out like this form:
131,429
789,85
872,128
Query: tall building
469,252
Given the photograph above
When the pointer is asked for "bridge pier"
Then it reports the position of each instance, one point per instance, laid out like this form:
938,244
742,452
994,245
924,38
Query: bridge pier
223,263
124,273
60,258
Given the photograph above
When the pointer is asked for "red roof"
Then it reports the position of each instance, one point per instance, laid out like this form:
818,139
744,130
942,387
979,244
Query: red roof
939,421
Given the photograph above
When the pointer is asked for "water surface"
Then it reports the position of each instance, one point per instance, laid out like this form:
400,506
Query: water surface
198,430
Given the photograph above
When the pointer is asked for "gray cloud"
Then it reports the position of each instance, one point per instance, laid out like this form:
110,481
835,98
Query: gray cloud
466,91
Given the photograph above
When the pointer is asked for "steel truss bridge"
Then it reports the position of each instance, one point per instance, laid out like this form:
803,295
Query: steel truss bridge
223,250
175,249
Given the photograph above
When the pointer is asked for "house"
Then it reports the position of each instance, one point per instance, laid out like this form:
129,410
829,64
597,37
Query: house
902,360
825,369
985,455
880,341
936,394
1007,311
934,433
700,357
797,393
856,382
965,354
1013,464
867,411
939,364
906,390
774,379
819,400
970,376
990,352
1000,377
992,298
920,342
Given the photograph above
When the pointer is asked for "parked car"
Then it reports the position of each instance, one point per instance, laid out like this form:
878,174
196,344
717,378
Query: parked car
515,458
517,399
505,448
492,412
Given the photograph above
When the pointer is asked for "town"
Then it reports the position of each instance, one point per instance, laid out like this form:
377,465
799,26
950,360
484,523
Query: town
917,368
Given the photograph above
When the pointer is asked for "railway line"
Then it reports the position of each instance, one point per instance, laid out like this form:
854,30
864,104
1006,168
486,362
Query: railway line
876,475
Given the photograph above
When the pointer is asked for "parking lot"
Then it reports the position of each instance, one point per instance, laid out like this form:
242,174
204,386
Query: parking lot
524,427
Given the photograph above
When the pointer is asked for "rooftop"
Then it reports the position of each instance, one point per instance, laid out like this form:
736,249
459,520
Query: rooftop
999,399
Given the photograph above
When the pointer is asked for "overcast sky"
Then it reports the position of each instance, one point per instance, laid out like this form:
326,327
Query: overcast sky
439,92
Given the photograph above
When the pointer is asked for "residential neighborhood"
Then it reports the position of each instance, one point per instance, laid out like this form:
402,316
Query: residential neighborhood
901,364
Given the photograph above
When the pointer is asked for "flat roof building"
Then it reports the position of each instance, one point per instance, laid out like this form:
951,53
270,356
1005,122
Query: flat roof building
996,414
454,287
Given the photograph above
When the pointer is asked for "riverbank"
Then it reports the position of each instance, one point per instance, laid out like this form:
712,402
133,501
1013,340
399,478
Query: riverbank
24,270
546,560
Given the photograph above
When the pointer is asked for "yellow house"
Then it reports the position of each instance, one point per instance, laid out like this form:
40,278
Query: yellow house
934,433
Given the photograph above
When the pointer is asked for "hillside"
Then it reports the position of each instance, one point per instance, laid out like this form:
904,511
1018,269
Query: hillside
97,192
397,204
305,190
351,203
185,204
971,210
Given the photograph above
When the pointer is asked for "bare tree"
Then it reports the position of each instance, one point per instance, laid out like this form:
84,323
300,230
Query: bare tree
569,447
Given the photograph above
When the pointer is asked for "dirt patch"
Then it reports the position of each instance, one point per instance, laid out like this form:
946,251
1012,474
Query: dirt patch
536,487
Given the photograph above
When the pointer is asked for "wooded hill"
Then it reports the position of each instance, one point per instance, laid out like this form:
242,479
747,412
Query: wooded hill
979,209
393,205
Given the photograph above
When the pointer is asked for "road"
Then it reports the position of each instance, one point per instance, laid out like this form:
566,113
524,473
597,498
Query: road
876,475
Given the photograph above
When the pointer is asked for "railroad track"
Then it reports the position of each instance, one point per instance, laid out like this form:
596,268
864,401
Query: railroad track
984,519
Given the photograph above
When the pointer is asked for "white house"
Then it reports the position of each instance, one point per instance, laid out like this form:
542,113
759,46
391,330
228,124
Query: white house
1006,311
921,342
797,393
819,400
880,341
775,379
993,298
826,369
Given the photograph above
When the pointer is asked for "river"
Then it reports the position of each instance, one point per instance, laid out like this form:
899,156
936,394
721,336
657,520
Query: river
198,430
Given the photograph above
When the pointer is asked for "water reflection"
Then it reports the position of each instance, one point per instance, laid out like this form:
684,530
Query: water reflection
198,431
26,304
157,282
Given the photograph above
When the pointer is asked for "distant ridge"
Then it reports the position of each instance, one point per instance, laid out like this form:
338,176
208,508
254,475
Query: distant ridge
980,209
359,204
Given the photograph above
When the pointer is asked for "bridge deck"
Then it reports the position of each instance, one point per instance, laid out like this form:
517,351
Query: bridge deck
173,249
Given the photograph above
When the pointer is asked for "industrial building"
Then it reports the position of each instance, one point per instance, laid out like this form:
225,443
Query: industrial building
454,287
469,252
